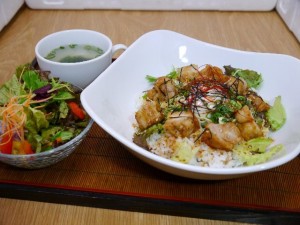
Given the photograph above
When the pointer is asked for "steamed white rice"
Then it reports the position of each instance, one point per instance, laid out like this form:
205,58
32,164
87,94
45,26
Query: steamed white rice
184,150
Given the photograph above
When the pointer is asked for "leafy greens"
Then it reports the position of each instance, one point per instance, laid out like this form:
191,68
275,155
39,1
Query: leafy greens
35,108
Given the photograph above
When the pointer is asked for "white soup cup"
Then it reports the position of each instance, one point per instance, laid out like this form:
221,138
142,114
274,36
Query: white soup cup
83,73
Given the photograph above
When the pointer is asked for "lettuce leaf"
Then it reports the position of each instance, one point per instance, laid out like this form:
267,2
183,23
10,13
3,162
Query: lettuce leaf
36,120
63,110
32,80
259,144
276,115
253,78
63,95
10,88
36,141
50,133
256,151
65,135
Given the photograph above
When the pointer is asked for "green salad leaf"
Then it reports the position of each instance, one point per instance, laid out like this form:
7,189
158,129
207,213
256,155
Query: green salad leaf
36,120
38,107
151,79
253,78
32,80
63,109
276,115
63,95
10,88
256,151
36,141
50,133
259,144
65,135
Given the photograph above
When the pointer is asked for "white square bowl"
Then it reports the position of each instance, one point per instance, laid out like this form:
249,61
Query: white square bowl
111,100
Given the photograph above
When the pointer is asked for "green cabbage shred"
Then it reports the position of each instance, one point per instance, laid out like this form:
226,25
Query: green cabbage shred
276,115
256,151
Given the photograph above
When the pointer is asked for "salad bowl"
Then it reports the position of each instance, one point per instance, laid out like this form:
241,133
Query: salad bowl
47,158
113,98
54,123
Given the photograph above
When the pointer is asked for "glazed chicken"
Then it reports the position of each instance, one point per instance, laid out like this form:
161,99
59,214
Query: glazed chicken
212,73
181,124
238,85
148,115
246,124
221,136
188,73
259,104
244,115
163,90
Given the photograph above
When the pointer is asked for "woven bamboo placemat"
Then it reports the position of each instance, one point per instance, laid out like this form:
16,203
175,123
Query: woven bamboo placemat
102,165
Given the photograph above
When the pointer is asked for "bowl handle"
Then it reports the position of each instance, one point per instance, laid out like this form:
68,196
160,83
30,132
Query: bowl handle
118,47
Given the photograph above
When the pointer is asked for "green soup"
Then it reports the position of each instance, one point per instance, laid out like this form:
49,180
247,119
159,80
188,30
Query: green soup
74,53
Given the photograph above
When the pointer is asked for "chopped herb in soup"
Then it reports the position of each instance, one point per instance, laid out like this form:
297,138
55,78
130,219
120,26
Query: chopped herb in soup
74,53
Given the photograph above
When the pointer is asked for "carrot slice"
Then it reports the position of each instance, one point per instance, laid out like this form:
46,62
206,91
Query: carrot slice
76,110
